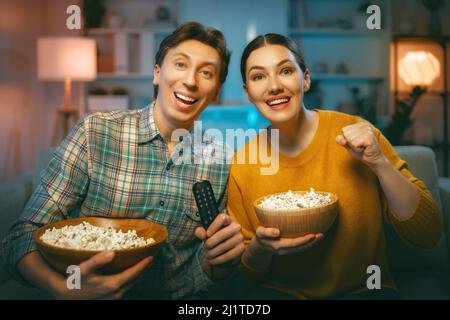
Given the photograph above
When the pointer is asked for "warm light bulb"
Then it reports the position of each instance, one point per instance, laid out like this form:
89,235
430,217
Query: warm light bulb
419,68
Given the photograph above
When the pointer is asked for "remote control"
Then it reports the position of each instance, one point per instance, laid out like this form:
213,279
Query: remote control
206,202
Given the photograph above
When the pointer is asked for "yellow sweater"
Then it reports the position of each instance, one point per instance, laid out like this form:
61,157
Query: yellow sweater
338,264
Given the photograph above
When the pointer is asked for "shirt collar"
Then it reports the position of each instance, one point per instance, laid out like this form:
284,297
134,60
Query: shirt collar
147,126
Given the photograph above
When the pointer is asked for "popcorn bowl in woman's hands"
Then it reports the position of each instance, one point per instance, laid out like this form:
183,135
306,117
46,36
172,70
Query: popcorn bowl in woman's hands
297,213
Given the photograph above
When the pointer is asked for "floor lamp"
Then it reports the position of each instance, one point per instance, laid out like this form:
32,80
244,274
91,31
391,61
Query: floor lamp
66,59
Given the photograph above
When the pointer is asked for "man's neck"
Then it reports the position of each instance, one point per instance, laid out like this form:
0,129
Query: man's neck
165,126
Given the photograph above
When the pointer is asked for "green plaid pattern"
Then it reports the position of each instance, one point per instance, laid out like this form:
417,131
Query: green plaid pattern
117,164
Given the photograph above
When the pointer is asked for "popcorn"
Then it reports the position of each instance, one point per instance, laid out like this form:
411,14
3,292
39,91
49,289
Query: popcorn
85,236
291,200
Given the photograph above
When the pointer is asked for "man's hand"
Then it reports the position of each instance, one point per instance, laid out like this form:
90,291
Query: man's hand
223,240
269,239
361,142
98,286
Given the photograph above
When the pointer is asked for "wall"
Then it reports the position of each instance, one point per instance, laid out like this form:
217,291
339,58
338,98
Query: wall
27,105
240,21
20,23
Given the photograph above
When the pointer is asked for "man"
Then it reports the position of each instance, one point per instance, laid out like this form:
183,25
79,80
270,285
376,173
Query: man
119,164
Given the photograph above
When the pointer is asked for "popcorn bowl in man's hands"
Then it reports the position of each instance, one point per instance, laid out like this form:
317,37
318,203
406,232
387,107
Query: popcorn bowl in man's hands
73,241
298,217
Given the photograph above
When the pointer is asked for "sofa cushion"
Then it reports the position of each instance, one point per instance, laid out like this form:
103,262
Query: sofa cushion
424,285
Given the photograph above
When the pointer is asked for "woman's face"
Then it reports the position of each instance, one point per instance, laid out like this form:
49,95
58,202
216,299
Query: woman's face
275,83
188,80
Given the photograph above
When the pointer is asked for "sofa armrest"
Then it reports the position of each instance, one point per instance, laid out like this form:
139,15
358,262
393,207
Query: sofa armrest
444,190
14,195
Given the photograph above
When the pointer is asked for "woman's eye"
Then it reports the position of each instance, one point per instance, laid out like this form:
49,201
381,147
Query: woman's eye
257,77
286,71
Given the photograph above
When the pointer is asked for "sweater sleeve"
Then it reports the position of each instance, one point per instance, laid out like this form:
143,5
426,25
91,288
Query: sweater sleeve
423,228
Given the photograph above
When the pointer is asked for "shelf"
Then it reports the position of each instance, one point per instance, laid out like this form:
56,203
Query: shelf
106,31
130,76
347,77
439,39
332,32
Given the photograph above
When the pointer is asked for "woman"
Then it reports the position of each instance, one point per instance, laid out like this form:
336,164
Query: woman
328,151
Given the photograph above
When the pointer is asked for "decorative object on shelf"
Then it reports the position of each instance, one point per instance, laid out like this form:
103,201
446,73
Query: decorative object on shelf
66,59
434,25
339,23
162,13
100,100
344,24
360,16
114,20
341,68
93,13
119,91
98,91
321,66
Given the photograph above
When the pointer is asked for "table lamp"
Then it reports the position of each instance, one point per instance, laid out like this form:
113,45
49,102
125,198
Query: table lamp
66,59
419,69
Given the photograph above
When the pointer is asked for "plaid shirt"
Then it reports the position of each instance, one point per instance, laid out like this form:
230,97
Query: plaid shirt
117,164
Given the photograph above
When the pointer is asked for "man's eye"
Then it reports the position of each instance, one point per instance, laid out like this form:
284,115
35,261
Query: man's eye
179,64
206,74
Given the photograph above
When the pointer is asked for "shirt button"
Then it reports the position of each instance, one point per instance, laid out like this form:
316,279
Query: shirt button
161,203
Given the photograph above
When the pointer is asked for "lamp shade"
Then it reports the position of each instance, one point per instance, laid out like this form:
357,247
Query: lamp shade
419,68
61,58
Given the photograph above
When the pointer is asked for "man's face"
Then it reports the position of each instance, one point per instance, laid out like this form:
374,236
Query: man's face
188,80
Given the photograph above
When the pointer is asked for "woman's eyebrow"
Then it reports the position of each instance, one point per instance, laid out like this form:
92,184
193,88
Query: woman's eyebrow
262,68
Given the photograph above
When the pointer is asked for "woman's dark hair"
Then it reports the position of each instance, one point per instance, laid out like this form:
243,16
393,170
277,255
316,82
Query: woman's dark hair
195,31
267,39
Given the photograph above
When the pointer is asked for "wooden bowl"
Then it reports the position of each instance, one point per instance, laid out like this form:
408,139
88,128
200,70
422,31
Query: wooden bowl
294,223
61,258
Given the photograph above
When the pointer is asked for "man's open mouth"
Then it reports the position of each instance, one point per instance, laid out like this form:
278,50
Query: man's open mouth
185,99
275,101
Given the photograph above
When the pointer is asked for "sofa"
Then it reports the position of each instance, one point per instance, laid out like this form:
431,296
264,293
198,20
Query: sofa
419,273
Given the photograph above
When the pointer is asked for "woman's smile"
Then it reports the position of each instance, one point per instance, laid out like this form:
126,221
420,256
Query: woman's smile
278,102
